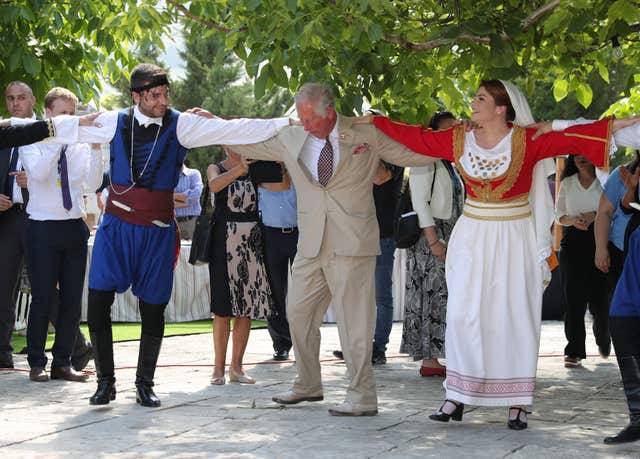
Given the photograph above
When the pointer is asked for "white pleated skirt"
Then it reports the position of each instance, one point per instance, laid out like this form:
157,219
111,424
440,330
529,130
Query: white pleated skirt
494,306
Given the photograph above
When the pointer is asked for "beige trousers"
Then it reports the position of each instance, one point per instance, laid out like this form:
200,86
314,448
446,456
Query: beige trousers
348,284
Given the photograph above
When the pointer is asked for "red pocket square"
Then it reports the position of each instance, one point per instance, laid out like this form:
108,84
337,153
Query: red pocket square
361,148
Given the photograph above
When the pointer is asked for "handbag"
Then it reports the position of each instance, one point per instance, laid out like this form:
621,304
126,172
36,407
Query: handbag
406,229
199,253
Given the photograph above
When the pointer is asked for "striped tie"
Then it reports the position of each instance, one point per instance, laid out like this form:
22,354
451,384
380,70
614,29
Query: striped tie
325,164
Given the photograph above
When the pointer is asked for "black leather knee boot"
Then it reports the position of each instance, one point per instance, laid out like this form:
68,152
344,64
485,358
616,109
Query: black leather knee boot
147,360
103,354
630,371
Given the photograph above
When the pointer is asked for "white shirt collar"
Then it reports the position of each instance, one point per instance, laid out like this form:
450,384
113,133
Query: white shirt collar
144,120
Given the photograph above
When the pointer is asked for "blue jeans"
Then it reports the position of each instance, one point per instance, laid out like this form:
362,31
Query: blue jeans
384,294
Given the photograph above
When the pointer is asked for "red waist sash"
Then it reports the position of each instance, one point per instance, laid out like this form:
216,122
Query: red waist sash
146,205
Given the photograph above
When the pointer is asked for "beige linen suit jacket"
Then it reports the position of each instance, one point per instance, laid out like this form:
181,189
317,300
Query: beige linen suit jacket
343,211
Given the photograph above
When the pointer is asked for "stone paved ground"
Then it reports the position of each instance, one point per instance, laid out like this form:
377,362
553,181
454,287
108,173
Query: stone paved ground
574,410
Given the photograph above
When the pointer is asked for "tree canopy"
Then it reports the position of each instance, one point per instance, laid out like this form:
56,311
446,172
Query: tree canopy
412,56
76,45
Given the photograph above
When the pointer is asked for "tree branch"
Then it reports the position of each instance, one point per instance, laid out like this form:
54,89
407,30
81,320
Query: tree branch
193,17
433,44
539,13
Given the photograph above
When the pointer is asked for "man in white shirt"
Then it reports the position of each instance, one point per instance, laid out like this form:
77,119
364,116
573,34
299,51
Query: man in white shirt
57,241
20,101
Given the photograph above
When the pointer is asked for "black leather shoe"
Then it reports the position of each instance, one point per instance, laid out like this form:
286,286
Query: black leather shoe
105,393
338,355
79,362
281,355
441,416
378,357
146,397
626,435
605,350
517,423
4,364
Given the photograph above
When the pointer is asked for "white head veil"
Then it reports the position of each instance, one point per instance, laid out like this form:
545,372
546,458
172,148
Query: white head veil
539,195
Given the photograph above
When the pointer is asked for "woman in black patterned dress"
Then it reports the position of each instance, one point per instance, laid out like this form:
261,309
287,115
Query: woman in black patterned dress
239,283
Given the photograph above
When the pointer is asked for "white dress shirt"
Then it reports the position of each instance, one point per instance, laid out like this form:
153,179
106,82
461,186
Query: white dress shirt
192,130
40,160
574,199
310,152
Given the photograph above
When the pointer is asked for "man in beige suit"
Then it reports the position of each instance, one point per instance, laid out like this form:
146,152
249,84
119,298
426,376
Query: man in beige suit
332,162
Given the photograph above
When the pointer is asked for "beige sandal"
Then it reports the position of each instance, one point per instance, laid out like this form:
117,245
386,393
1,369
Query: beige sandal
218,380
239,378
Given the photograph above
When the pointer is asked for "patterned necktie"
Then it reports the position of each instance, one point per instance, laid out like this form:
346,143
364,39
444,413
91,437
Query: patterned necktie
325,164
64,179
8,184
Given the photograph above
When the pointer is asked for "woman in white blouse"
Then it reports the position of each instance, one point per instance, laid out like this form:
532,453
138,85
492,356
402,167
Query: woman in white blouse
582,282
437,196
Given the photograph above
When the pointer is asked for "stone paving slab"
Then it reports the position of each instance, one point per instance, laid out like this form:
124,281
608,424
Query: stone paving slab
574,410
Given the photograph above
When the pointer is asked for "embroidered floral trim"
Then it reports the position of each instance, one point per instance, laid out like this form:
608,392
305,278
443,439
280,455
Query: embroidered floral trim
483,189
490,388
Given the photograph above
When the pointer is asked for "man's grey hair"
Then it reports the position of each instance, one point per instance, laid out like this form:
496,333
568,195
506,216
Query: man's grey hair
318,94
19,83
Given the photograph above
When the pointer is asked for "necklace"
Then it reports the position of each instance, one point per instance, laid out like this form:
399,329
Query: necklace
134,182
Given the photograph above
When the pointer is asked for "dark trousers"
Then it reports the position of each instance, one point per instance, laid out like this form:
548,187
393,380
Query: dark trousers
625,332
56,254
280,250
12,225
583,284
615,270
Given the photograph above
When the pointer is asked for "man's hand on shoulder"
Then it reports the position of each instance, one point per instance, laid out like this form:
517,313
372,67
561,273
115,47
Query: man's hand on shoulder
542,127
89,120
467,124
201,112
366,119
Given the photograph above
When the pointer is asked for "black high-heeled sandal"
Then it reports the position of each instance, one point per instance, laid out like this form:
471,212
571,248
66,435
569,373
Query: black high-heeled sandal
442,416
517,423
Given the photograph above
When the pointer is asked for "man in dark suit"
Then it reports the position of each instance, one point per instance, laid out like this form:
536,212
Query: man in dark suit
13,217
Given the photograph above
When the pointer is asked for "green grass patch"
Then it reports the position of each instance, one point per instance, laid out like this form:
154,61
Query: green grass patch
130,331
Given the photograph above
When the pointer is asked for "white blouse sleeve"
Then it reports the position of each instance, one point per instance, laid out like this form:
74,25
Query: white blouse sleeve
561,201
628,136
420,179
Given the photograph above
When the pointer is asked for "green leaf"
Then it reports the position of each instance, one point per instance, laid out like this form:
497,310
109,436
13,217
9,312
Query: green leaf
31,64
253,4
625,11
375,32
560,89
584,94
15,58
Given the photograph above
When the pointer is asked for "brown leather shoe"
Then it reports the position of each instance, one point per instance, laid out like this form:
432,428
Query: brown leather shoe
68,374
38,374
351,409
291,398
